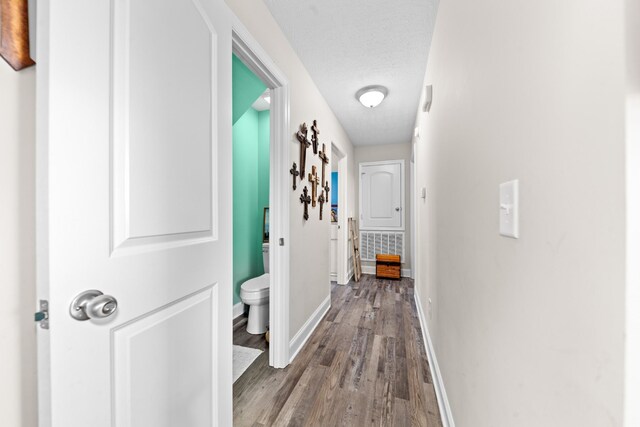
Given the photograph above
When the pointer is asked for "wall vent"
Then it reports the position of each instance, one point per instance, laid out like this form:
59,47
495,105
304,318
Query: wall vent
381,242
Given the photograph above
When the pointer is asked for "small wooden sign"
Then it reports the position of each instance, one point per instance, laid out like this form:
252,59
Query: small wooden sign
14,33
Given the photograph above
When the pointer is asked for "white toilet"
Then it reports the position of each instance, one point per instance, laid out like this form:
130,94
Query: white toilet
255,293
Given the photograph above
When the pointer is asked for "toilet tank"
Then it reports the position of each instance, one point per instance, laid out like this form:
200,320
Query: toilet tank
265,257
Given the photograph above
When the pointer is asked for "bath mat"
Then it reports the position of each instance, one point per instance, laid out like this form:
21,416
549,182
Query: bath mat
243,357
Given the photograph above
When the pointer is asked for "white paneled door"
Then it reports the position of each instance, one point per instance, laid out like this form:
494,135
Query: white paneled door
382,195
134,193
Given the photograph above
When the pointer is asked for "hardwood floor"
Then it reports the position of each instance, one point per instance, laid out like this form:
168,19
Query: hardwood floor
365,364
245,339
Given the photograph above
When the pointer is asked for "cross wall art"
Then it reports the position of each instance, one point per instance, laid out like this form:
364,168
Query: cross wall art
314,199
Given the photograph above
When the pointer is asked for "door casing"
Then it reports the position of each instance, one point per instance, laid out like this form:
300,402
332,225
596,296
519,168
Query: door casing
257,60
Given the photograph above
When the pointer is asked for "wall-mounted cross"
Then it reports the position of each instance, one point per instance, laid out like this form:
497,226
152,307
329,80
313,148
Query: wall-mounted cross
313,180
314,137
327,189
325,160
304,198
304,144
294,172
321,200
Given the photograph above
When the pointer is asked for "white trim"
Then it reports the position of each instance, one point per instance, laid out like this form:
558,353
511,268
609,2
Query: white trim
257,59
43,111
402,195
238,310
307,329
371,269
438,382
350,272
632,330
412,211
343,227
632,170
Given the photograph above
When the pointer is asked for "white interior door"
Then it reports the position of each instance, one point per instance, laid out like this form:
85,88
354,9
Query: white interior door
134,193
382,195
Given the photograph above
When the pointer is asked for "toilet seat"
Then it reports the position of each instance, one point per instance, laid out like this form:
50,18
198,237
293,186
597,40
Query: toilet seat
258,287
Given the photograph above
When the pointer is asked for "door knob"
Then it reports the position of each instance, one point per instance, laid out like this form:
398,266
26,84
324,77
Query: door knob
92,304
398,209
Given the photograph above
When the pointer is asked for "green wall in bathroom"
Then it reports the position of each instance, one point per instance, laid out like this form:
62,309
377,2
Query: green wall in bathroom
263,159
250,183
246,86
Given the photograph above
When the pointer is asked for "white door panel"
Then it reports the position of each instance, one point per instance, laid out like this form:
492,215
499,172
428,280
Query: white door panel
151,374
134,149
381,203
166,147
382,195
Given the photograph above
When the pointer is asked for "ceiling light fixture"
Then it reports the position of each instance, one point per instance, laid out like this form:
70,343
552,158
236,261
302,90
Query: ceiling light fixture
371,96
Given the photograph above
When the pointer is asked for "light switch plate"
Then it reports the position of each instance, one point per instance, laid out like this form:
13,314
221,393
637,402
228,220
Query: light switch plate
509,210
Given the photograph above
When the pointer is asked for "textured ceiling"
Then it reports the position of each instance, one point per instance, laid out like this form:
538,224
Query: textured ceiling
346,45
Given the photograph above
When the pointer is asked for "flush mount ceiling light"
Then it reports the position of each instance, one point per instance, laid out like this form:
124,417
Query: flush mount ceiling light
371,96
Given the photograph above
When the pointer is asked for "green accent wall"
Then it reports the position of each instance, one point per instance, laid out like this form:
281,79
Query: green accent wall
246,86
250,175
263,158
250,182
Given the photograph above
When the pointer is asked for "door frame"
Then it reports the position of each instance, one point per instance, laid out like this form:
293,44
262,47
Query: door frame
342,256
632,178
412,211
245,47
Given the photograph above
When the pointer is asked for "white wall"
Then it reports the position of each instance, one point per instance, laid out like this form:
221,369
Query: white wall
527,332
378,153
309,276
17,247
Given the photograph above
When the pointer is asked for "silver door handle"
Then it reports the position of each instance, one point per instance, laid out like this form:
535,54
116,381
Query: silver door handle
92,304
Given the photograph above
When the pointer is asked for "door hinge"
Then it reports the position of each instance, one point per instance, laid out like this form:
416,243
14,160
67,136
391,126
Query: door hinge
42,316
281,240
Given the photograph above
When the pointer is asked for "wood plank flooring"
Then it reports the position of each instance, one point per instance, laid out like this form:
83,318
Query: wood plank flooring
364,365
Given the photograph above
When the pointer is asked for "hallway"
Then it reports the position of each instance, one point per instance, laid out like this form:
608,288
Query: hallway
365,364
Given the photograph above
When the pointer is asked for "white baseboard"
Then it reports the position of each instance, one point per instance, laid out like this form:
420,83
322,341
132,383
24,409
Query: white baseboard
350,273
298,341
238,309
441,394
371,269
349,277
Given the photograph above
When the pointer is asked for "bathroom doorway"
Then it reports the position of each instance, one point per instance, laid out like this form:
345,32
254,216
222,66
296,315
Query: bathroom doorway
340,271
251,104
261,204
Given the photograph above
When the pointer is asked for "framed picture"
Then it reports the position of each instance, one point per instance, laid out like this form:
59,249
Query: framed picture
265,225
14,33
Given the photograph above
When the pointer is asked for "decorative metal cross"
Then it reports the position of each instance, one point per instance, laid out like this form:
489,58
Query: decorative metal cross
304,144
325,160
313,180
327,189
314,137
321,200
294,172
304,198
